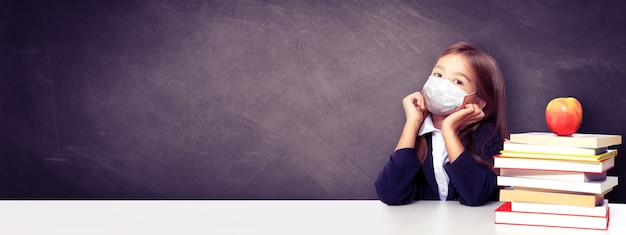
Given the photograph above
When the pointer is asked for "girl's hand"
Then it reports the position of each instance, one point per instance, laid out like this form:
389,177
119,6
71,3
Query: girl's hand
457,121
415,111
464,117
414,108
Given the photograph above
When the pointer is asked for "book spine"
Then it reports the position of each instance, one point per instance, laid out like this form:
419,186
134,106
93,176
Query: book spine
557,165
506,215
588,187
509,195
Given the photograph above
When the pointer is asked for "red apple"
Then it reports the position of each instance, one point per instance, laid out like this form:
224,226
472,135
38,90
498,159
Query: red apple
564,115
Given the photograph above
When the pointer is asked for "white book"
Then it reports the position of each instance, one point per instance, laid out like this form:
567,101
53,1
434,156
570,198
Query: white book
586,187
581,140
560,209
552,149
505,215
556,165
574,176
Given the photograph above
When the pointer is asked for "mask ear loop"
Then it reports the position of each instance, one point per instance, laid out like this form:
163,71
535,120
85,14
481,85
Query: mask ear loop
474,126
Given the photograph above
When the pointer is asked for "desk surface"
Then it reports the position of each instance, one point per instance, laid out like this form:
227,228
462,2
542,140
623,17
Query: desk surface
266,217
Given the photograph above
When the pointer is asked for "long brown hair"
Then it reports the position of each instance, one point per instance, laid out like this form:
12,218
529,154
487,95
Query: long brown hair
490,88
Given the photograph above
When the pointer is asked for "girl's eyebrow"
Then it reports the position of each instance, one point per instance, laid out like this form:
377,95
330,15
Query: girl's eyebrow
463,75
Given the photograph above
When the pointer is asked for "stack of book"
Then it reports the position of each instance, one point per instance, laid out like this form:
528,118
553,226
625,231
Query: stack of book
556,181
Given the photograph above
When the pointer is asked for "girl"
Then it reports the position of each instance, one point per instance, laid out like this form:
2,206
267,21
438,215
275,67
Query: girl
453,129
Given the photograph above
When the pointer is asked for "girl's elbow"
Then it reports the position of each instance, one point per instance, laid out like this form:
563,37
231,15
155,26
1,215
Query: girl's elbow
478,200
394,201
391,198
474,202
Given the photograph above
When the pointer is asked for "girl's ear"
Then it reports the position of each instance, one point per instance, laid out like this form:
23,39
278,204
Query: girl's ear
481,103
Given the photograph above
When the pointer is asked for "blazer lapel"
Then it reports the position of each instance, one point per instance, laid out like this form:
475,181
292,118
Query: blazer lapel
429,172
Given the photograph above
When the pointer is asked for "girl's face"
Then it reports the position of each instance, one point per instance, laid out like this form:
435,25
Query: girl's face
453,67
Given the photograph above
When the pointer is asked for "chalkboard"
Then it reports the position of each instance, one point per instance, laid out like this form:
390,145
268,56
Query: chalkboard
269,99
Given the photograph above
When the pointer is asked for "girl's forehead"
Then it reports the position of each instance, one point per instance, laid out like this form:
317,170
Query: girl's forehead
453,61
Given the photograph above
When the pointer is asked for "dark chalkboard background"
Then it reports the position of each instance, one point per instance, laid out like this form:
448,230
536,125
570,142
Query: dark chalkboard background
269,99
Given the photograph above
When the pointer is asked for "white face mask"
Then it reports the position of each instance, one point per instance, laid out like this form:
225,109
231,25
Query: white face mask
442,97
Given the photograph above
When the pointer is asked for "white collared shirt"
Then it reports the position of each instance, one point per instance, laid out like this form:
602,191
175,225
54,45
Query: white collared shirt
440,156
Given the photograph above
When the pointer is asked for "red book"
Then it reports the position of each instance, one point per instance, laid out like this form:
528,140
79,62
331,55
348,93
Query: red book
504,215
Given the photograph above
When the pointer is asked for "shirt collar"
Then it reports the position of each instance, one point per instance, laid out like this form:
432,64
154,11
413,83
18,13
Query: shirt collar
427,126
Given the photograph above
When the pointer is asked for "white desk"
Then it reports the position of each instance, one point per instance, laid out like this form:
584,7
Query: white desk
266,217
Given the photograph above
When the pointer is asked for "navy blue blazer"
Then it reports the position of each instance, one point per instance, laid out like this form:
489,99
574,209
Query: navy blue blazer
404,180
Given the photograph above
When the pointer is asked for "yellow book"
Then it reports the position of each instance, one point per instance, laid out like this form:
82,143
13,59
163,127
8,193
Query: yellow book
580,140
533,195
589,158
551,149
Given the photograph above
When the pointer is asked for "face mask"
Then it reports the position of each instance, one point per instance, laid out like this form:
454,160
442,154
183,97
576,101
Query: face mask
442,97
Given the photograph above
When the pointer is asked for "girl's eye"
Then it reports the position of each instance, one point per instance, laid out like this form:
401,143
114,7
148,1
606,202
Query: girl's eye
458,82
437,75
